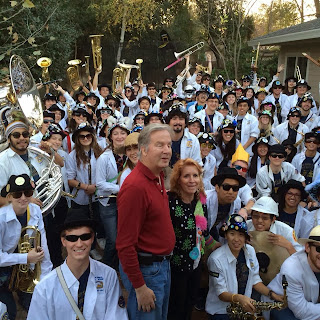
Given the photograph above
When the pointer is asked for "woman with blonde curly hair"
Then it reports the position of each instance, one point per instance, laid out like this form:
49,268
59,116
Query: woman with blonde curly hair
187,202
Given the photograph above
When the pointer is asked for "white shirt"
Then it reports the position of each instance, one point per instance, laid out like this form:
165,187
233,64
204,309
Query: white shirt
10,231
107,176
81,174
245,194
12,164
303,287
278,227
216,122
101,301
222,276
208,171
124,174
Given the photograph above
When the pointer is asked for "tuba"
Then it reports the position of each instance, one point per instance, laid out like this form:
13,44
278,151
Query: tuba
73,73
44,63
119,75
23,277
139,62
96,51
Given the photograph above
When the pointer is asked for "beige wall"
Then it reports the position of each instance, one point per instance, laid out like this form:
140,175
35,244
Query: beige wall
313,72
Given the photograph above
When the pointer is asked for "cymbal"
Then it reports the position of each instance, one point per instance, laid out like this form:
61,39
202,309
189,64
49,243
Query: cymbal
270,256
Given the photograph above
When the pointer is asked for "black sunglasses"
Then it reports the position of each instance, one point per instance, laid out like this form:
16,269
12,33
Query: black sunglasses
228,131
295,116
85,136
313,141
78,114
17,135
74,238
317,247
48,121
275,155
106,111
18,194
227,187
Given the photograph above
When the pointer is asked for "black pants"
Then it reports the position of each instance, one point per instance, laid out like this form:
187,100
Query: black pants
183,293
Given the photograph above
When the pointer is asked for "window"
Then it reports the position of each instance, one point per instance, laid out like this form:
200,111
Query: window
292,63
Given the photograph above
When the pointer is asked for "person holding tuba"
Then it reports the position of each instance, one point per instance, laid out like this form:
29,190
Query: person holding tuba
31,255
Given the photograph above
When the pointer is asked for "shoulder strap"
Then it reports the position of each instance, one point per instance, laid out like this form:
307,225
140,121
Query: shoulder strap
68,294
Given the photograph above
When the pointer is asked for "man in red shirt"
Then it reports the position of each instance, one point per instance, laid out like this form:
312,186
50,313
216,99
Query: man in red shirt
145,234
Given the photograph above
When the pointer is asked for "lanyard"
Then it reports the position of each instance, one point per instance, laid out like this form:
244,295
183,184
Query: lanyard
28,214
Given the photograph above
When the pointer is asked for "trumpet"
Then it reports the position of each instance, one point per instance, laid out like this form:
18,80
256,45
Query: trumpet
44,63
73,73
96,51
203,68
181,55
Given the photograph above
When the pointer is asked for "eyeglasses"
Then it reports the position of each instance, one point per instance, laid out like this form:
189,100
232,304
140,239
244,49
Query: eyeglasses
111,104
206,79
295,195
227,187
239,168
256,216
74,238
311,141
206,145
280,156
317,247
166,91
79,114
106,111
48,121
18,194
295,116
246,80
227,131
17,135
85,136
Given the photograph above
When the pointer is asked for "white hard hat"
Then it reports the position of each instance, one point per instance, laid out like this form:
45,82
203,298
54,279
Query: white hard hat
266,205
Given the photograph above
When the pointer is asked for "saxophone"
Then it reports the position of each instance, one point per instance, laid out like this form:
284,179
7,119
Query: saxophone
236,312
23,277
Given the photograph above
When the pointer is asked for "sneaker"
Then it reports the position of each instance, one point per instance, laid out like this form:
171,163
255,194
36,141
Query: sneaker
101,243
95,255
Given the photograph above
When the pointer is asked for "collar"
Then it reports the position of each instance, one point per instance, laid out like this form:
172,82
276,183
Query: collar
11,215
147,172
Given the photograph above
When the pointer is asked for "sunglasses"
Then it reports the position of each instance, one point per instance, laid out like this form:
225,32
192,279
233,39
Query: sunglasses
48,121
17,135
317,247
18,194
112,104
85,136
207,79
227,187
79,114
240,168
106,112
206,145
74,238
246,80
151,88
169,81
166,91
228,131
139,118
288,147
311,141
280,156
295,116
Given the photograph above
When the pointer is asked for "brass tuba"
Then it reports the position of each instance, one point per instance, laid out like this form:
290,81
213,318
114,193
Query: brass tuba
44,63
96,51
73,73
23,277
139,62
119,75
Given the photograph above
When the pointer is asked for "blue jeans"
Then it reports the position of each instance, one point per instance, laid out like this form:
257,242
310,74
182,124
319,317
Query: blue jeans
108,217
286,314
157,277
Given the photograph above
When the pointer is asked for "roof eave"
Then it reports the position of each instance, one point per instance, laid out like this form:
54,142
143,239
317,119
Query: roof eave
277,40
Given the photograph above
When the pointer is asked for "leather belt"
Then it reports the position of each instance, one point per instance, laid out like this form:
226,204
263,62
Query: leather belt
147,260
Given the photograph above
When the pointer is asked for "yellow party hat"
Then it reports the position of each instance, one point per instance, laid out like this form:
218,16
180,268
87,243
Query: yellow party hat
240,155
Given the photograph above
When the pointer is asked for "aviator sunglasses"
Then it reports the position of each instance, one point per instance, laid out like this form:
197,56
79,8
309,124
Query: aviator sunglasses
17,135
18,194
74,238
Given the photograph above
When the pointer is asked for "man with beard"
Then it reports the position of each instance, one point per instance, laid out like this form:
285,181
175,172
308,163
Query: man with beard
184,144
17,159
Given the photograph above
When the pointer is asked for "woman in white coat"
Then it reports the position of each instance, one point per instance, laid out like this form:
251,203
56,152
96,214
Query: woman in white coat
247,130
109,166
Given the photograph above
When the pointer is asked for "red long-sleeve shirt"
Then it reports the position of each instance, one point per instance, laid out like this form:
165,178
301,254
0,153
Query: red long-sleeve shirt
144,222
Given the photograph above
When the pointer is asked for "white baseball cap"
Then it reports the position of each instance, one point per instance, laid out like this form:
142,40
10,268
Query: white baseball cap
266,205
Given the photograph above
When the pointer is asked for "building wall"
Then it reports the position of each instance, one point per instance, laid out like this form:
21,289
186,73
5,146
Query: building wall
312,72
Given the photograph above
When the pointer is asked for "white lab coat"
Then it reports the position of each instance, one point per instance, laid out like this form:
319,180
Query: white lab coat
106,176
282,101
312,120
3,311
265,179
300,157
249,129
217,119
278,227
190,147
245,194
101,300
156,106
305,222
208,171
133,107
222,276
292,101
218,154
303,286
10,231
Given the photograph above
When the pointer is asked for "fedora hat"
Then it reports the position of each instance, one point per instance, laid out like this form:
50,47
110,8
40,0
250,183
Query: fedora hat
314,236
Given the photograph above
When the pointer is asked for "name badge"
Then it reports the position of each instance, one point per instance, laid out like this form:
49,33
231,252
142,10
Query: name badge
189,143
99,284
251,263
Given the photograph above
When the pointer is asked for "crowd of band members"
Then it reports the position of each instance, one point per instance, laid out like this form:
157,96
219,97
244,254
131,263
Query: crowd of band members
215,161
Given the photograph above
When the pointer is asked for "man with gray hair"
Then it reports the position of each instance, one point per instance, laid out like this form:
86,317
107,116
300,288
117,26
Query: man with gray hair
145,234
